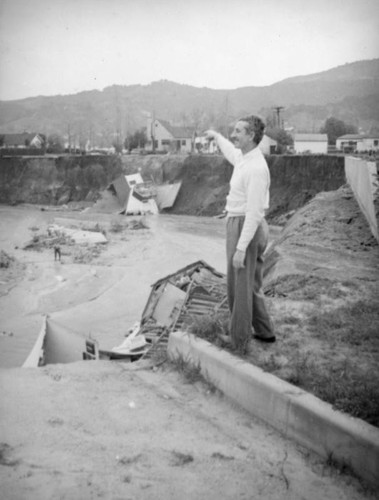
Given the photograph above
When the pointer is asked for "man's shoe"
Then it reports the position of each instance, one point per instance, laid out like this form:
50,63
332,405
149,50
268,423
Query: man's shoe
265,339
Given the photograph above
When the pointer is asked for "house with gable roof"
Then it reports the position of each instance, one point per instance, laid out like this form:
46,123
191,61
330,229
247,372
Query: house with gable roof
168,137
22,140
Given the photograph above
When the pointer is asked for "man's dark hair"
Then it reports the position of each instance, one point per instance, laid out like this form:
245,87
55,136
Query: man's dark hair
255,127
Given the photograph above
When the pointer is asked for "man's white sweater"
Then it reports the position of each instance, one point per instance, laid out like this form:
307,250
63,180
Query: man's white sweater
249,188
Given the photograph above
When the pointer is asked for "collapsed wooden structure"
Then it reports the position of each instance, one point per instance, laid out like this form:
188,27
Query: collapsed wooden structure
176,300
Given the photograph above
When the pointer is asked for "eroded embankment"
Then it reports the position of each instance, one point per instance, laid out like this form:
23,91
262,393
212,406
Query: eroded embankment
294,180
205,179
55,180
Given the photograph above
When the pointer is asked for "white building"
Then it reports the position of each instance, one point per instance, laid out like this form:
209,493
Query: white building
311,143
357,142
167,137
268,145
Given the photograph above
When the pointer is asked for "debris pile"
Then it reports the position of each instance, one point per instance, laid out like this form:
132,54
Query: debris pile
83,245
135,196
175,302
51,239
131,195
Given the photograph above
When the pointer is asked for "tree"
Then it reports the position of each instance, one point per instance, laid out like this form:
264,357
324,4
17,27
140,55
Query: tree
335,128
117,146
136,140
283,138
55,144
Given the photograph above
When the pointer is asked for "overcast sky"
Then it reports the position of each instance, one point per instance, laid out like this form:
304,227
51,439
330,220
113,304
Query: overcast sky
51,47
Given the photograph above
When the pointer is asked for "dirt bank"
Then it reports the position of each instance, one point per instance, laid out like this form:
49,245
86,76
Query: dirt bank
55,180
205,179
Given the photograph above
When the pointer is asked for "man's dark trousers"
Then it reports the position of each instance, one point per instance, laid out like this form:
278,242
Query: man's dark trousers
245,295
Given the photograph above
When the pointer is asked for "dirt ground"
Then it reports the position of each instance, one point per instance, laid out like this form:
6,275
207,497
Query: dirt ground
100,430
113,430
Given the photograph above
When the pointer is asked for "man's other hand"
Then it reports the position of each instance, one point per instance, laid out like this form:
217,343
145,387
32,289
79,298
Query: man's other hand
239,259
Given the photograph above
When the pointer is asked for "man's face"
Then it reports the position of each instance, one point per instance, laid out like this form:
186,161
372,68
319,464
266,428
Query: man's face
240,137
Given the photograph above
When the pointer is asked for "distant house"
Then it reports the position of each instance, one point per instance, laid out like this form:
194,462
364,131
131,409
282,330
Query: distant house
167,137
21,141
358,142
311,143
268,145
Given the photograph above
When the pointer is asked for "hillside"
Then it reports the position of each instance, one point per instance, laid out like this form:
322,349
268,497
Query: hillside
349,92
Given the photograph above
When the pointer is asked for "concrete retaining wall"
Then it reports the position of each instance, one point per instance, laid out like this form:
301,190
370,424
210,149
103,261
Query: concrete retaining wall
295,413
363,180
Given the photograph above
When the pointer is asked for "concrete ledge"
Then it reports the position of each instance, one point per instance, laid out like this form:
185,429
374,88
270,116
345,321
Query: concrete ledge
362,178
295,413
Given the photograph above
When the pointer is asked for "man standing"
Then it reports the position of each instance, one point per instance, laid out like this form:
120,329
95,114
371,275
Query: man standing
247,231
57,252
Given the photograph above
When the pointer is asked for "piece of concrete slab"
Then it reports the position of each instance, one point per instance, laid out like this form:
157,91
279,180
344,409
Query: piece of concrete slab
295,413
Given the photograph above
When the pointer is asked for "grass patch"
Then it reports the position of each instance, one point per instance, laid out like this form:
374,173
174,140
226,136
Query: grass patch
353,324
345,386
209,327
190,371
305,287
291,320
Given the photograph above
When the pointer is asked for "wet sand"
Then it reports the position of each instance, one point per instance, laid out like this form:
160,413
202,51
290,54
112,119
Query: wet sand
101,298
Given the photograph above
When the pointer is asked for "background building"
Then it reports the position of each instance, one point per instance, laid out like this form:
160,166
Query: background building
162,136
311,143
355,142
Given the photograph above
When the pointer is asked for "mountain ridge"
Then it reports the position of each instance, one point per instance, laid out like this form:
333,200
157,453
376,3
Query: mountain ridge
349,92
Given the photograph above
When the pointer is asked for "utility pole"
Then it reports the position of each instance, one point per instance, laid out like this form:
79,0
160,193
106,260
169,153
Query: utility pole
278,110
118,121
69,138
153,130
226,122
